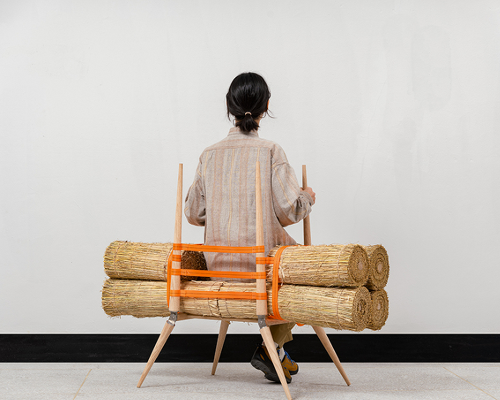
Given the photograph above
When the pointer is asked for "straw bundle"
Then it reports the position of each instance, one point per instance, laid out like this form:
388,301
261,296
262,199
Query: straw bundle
380,310
148,261
379,267
133,297
338,308
326,265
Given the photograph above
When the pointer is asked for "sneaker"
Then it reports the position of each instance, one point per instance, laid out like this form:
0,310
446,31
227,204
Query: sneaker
289,364
262,362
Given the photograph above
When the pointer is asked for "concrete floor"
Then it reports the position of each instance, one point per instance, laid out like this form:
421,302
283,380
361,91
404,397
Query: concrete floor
188,381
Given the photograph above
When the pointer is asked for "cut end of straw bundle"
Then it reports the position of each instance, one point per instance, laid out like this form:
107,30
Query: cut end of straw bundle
380,310
379,267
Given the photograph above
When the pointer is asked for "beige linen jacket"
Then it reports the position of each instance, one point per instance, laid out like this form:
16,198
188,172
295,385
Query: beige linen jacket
222,197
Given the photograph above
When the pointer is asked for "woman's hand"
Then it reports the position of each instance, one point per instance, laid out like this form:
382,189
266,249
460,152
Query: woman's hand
311,193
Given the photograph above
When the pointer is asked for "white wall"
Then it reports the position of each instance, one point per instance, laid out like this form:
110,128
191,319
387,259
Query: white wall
393,105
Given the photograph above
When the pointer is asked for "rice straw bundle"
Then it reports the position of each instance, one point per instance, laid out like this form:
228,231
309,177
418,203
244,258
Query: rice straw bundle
338,308
379,267
133,297
326,265
380,310
148,261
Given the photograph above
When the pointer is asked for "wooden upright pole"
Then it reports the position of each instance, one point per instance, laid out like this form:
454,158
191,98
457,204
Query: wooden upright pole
261,283
175,285
307,222
319,330
175,302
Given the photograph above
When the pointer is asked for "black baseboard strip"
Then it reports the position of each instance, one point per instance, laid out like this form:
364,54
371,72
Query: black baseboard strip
350,347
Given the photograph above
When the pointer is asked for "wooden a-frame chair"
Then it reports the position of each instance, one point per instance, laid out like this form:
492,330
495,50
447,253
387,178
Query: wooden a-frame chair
263,320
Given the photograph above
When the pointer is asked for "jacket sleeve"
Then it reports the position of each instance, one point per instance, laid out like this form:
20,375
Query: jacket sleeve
291,203
195,201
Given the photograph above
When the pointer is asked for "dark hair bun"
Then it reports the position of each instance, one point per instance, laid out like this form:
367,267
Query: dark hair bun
247,99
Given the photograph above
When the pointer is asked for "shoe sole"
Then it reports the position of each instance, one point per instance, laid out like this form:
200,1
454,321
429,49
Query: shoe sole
268,374
294,372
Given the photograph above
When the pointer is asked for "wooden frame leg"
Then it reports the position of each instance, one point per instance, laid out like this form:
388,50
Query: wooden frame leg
165,333
220,343
329,348
271,349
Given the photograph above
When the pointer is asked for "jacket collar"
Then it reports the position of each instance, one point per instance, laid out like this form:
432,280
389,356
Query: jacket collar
237,131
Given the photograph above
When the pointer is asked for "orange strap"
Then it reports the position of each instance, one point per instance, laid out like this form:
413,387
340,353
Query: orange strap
219,249
219,274
227,274
218,295
276,287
